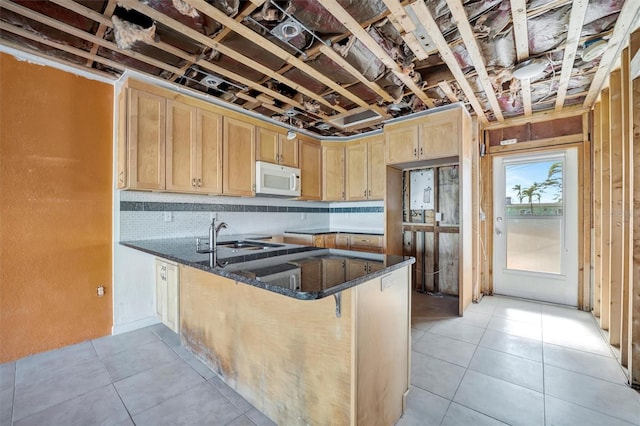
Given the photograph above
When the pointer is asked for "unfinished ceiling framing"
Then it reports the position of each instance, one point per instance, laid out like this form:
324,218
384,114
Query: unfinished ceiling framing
342,67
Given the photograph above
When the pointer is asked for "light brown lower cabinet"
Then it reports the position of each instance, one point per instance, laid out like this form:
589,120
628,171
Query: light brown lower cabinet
295,360
168,294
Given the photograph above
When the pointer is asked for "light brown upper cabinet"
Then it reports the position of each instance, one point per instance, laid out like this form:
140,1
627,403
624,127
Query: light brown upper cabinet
239,169
429,137
333,172
193,149
144,167
364,169
310,155
274,147
181,147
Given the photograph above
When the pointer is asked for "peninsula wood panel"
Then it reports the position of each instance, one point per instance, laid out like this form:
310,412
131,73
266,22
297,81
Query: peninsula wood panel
56,181
617,207
248,346
294,360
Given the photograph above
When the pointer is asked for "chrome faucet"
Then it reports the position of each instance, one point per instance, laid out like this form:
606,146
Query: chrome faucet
213,244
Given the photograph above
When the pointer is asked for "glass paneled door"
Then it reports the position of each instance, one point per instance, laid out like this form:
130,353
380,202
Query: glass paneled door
535,239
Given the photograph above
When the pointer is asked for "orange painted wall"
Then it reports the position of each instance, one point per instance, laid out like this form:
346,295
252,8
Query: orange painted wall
56,141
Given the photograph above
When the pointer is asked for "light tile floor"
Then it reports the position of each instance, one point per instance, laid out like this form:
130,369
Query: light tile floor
507,361
516,362
143,377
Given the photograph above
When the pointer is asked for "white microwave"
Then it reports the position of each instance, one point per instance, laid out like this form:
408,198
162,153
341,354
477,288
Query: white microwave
274,179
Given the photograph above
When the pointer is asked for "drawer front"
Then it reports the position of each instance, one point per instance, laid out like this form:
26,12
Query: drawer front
368,243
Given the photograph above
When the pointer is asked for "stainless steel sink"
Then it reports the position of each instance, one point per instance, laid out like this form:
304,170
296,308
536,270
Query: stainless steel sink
249,245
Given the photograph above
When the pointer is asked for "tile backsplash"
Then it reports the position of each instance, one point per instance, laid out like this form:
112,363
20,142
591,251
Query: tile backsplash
149,215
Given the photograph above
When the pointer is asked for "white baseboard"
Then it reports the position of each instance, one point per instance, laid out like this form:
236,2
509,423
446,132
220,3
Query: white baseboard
135,325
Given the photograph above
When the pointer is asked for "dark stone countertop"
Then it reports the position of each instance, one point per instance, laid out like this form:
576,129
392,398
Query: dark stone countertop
300,272
320,231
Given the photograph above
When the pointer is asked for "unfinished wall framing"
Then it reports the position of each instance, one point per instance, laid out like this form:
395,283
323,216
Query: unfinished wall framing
616,209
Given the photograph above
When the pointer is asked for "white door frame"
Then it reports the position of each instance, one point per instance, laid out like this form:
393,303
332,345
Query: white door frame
559,288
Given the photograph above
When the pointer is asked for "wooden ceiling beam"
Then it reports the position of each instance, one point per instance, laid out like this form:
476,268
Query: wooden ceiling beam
624,25
361,34
201,38
521,32
276,50
81,68
90,57
405,26
578,12
462,20
431,27
338,59
28,13
446,88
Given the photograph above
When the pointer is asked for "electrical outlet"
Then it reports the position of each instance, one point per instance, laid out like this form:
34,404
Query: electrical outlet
168,217
100,291
438,216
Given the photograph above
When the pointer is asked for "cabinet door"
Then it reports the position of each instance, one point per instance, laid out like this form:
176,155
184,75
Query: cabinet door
402,144
333,173
357,268
288,150
439,137
318,241
172,319
376,172
123,119
238,165
342,241
209,152
310,170
267,145
161,289
330,241
356,171
334,272
146,140
181,147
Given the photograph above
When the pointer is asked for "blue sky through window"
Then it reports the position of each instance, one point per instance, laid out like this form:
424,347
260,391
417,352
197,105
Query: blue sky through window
525,174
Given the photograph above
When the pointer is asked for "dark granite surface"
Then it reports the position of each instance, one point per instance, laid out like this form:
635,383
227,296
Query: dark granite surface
301,272
320,231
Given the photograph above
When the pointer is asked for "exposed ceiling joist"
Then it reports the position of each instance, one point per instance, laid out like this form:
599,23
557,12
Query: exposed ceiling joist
625,23
405,27
446,88
521,33
430,25
460,16
352,25
83,35
201,38
273,48
108,12
92,57
335,57
222,34
578,12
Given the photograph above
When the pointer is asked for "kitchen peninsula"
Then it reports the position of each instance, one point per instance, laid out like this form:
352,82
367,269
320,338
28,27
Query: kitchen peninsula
307,335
